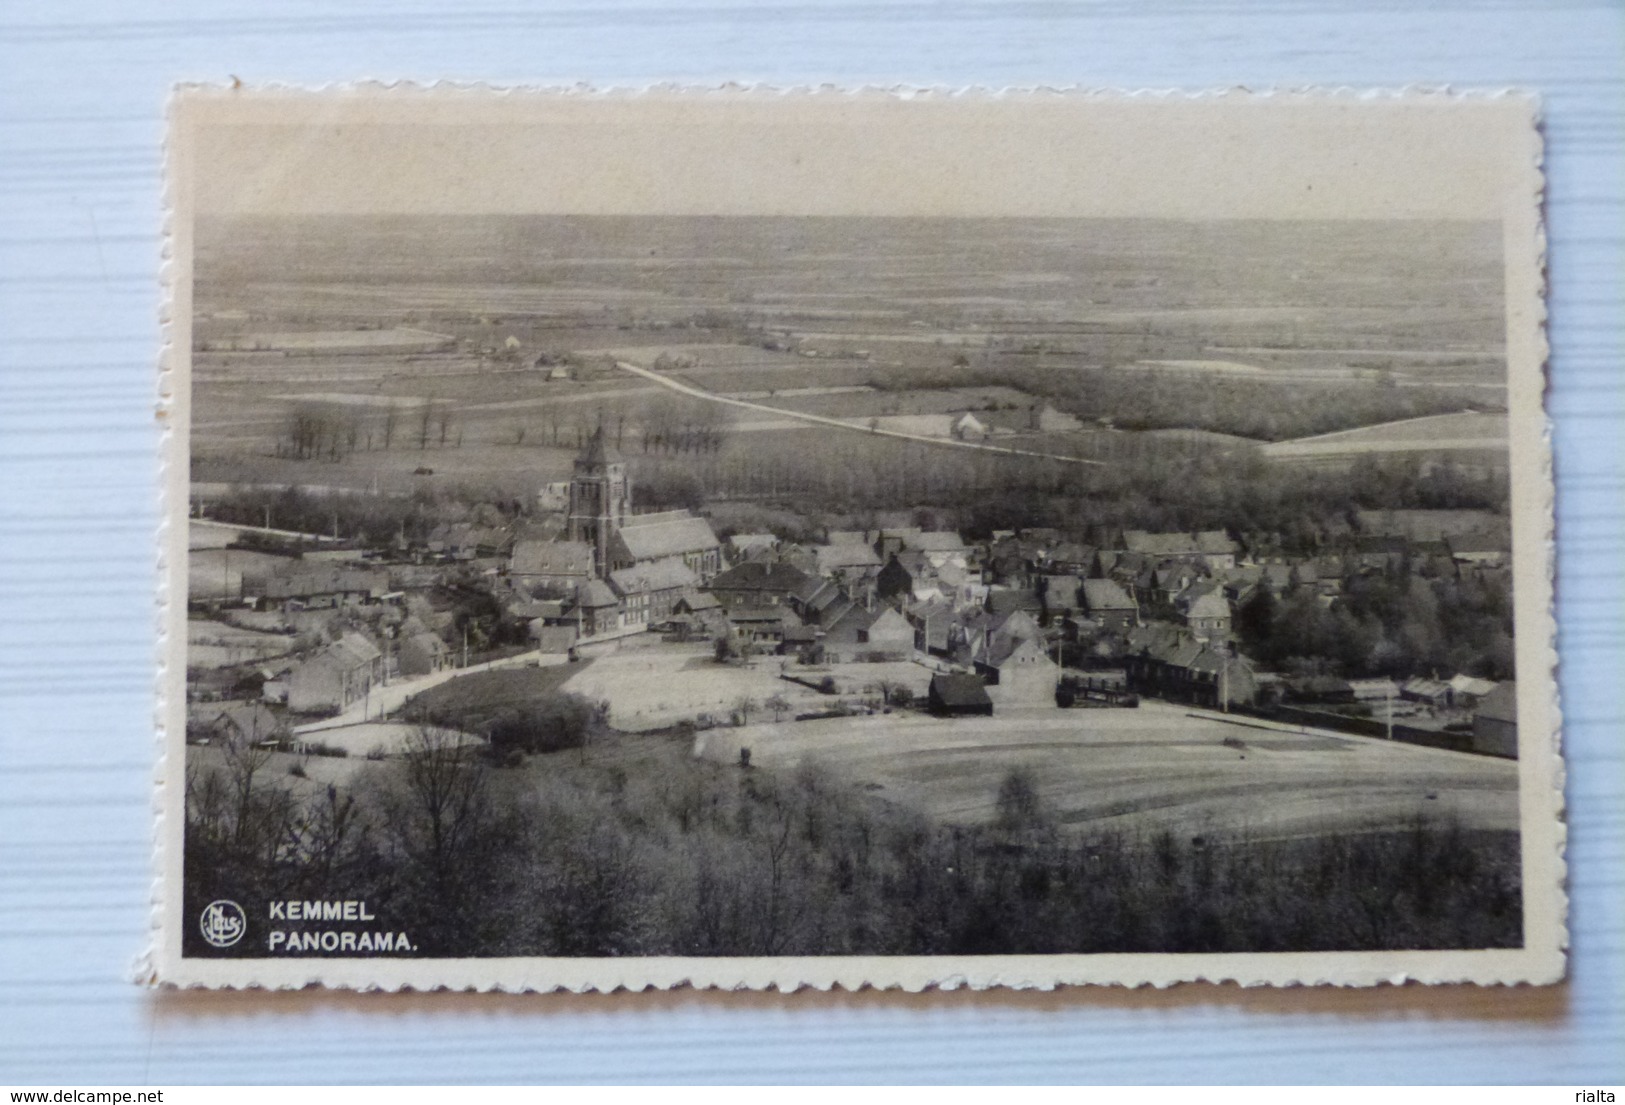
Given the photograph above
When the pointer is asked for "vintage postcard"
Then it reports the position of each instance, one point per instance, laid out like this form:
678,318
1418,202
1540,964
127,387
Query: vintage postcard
743,538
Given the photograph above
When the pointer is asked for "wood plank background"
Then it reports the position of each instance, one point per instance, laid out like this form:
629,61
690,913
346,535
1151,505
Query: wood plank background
82,89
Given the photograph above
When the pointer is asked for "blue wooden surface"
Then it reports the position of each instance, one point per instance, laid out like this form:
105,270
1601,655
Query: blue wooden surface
82,88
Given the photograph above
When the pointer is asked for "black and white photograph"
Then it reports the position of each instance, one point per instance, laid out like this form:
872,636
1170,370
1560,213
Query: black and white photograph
1014,541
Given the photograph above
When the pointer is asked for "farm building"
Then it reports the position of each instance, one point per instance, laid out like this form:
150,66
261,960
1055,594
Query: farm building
1495,723
958,696
320,587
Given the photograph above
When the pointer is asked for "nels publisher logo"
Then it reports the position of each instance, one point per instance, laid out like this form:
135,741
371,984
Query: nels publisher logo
223,923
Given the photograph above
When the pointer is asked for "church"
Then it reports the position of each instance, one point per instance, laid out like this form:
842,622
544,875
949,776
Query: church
599,516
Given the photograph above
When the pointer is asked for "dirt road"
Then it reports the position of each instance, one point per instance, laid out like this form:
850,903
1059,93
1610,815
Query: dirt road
851,427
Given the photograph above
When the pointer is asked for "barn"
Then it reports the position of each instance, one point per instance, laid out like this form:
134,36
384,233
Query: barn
958,696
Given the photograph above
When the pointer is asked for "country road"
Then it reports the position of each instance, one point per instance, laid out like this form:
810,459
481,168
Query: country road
821,420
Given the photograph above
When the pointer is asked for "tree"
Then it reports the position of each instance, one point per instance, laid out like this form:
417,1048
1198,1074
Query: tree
779,705
743,707
449,801
1018,807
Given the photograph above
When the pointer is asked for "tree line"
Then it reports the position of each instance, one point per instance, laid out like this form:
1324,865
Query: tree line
640,852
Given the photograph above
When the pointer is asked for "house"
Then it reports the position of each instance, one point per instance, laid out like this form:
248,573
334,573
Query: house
894,581
423,654
860,634
553,639
1495,722
251,724
1108,604
759,625
1062,594
1466,691
1008,600
1218,679
342,673
554,563
931,621
849,561
819,601
1020,673
1213,548
1072,558
594,608
698,613
1374,690
940,547
758,583
649,591
748,546
967,427
1205,612
1429,692
667,535
1320,690
958,696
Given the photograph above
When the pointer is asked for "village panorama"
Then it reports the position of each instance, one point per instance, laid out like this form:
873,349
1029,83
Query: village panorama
842,586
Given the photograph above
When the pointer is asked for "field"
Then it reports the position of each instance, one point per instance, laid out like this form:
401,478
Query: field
216,573
1467,430
897,304
212,644
496,689
1146,769
657,686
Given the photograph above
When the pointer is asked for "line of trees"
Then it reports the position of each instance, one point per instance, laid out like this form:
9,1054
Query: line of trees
656,854
335,431
1150,399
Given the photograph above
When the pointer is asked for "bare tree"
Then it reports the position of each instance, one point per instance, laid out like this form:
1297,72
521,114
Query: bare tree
779,705
449,798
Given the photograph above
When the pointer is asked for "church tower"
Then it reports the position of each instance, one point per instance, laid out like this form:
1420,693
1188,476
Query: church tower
600,499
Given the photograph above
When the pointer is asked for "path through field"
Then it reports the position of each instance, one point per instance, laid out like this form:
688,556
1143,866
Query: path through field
820,420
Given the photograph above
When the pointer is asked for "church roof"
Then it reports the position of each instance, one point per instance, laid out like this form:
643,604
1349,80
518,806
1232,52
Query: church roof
671,533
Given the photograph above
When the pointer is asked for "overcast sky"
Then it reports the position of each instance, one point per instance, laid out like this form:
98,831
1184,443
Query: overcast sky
826,155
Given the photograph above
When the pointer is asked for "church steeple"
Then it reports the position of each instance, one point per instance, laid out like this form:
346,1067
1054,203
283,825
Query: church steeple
600,498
